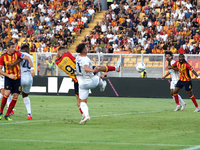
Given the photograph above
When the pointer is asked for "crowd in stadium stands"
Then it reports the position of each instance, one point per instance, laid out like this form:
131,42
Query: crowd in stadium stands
44,24
147,27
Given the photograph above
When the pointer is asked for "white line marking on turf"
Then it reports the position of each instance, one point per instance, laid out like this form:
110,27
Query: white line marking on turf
34,121
92,142
193,148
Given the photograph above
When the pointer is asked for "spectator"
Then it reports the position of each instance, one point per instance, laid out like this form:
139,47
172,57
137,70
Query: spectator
195,50
50,67
181,50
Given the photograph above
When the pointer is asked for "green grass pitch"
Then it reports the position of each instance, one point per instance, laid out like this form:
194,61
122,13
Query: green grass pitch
116,123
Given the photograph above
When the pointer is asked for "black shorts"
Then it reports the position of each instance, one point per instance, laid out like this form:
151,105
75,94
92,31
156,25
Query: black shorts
76,88
13,85
187,84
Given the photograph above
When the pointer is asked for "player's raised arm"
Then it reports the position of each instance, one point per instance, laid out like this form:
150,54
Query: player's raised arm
30,62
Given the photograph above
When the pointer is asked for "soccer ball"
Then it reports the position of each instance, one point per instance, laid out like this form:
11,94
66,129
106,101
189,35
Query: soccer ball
140,67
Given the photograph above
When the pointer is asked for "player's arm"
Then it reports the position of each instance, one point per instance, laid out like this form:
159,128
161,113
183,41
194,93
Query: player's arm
167,74
88,69
193,71
174,66
30,62
15,63
171,67
11,76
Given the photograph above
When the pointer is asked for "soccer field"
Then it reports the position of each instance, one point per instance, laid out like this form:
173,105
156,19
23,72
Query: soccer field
116,123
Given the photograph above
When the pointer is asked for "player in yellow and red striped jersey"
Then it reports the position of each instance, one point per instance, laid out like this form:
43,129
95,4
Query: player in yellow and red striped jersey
12,82
184,80
67,62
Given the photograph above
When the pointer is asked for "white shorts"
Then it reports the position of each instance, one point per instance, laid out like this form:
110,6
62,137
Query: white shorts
26,83
173,84
84,88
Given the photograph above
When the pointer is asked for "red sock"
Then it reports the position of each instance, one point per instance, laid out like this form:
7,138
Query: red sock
11,106
194,101
176,99
3,103
80,110
110,68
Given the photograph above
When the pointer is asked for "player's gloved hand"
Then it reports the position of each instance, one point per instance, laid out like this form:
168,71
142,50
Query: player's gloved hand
32,72
11,76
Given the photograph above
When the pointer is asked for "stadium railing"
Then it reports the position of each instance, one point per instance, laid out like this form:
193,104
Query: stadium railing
155,63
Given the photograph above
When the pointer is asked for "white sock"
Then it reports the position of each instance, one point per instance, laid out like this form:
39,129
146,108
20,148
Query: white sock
1,96
180,99
27,103
84,108
100,83
9,100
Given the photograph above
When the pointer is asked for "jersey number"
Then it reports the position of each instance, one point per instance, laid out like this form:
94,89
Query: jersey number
79,68
69,69
26,64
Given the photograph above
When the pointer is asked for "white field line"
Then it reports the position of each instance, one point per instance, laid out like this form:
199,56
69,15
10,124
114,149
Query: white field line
93,142
34,121
193,148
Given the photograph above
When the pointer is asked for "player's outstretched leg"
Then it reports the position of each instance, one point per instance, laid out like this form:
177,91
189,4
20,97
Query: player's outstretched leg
108,68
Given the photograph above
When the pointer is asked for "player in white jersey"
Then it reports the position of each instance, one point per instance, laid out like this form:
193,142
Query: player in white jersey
175,78
87,79
26,78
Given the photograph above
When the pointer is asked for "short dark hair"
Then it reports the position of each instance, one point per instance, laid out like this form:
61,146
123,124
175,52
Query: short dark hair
61,48
181,55
80,48
9,43
168,53
24,47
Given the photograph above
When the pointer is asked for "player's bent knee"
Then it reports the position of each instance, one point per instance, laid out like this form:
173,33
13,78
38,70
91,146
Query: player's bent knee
15,96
